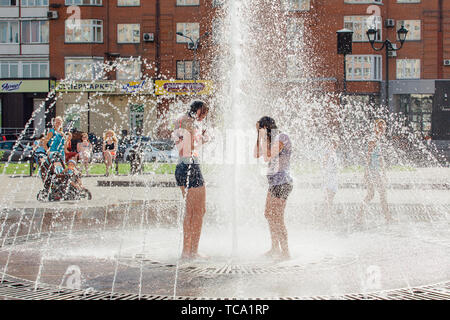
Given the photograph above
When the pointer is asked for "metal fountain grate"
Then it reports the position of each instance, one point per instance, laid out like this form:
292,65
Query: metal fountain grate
209,269
12,288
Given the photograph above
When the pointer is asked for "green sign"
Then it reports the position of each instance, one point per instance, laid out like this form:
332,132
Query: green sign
20,86
83,86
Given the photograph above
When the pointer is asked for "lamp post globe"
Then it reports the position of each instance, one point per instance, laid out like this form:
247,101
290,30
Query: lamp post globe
402,34
372,35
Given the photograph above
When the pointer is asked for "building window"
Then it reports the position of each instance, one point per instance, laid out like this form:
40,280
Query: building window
83,2
408,68
297,5
188,29
217,31
294,67
128,69
408,1
35,69
72,116
413,27
364,68
217,3
35,31
187,71
294,33
84,68
84,31
9,32
24,69
188,2
418,109
360,24
9,69
128,33
34,3
8,3
128,3
136,118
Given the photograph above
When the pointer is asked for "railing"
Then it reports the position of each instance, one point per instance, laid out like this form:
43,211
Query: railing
16,131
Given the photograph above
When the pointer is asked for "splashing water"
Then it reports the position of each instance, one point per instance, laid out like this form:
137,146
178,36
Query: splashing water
263,65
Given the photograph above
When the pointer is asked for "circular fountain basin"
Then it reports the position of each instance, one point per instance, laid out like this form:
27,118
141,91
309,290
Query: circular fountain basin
141,258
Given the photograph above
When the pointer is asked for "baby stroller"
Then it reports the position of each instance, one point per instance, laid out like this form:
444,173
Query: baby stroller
136,159
57,184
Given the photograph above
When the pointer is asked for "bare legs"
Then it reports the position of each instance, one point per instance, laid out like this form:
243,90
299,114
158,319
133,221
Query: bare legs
275,217
329,199
108,158
375,181
193,220
85,161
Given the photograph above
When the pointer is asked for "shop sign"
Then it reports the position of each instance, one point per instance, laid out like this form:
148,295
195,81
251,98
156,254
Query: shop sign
21,86
136,86
183,87
84,86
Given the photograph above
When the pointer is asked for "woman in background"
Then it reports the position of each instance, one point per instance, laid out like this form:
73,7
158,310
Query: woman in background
276,149
55,140
69,154
110,146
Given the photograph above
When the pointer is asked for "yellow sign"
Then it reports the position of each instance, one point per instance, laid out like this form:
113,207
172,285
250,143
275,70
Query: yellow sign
83,86
183,87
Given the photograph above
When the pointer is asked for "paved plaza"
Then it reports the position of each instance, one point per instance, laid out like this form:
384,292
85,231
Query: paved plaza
128,237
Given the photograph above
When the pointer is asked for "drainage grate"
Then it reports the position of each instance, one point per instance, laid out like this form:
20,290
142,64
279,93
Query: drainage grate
24,290
233,269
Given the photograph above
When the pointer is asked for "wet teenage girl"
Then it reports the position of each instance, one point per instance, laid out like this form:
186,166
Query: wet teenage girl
276,148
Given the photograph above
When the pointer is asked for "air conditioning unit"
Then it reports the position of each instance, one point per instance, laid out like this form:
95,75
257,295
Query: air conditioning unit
393,53
52,14
447,62
389,23
149,37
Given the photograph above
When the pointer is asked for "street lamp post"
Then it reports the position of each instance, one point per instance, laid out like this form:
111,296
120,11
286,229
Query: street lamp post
194,45
388,46
345,47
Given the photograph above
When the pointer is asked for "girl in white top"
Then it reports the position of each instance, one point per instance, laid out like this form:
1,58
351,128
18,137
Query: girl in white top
84,149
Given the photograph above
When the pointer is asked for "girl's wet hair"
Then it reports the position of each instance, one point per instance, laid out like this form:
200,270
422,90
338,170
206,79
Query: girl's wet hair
197,105
380,121
270,125
267,123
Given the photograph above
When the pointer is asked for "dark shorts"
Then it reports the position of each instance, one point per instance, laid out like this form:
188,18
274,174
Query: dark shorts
281,191
189,173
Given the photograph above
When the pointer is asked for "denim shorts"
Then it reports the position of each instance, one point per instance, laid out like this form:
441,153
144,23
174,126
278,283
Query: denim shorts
189,173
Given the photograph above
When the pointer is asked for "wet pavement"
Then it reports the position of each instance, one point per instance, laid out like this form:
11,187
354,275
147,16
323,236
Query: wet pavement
126,240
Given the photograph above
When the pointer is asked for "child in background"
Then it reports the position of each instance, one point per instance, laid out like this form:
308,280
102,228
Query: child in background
330,178
84,149
73,175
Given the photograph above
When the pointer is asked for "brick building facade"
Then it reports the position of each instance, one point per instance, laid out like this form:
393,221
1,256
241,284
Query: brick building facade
419,77
24,65
141,30
111,30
